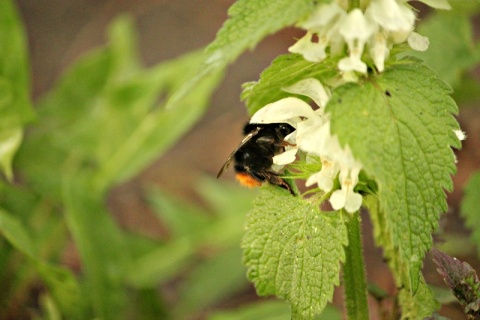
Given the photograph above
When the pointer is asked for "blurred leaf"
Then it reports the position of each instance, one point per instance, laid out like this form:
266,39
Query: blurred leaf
452,49
16,234
214,280
470,207
107,92
15,108
225,198
105,257
220,232
182,218
61,283
269,310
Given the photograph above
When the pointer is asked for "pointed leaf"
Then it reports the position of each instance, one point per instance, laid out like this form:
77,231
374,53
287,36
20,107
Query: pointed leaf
284,71
293,251
15,106
400,126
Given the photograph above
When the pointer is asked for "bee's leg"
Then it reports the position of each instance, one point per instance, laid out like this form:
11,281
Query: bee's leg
276,180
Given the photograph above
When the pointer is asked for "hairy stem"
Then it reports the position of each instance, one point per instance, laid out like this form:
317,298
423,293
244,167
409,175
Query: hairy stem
354,272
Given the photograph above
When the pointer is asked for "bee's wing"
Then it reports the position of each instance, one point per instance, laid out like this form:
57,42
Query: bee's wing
230,158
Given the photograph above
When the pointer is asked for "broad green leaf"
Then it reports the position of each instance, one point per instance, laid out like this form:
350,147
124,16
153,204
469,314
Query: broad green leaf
100,242
284,71
470,208
452,49
293,250
15,106
400,126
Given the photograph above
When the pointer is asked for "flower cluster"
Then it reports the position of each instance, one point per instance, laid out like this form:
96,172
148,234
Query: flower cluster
313,137
375,30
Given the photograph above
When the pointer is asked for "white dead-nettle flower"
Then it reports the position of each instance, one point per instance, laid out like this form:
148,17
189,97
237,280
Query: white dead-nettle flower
313,137
381,25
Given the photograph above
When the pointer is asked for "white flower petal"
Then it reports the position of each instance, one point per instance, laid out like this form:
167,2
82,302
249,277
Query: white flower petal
418,42
324,17
338,199
353,202
379,50
391,15
286,157
287,110
356,27
352,63
311,51
311,88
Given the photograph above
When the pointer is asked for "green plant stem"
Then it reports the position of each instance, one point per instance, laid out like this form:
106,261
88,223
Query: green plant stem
354,272
354,4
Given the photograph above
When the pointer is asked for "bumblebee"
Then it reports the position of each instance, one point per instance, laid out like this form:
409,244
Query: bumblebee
254,155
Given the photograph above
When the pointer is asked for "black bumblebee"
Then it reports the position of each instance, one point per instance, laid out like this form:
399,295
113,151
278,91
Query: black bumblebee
254,155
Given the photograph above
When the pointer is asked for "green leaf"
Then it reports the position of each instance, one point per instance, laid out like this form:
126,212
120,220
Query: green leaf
293,250
10,141
222,231
420,305
15,233
250,21
452,49
15,106
60,281
209,283
470,207
437,4
101,246
284,71
181,218
269,310
108,91
400,126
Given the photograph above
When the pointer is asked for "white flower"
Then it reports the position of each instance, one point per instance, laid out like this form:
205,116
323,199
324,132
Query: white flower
313,137
311,51
324,178
323,23
311,88
392,15
383,24
356,30
346,197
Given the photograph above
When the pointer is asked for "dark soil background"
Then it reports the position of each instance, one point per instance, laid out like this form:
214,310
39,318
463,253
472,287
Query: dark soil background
59,31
